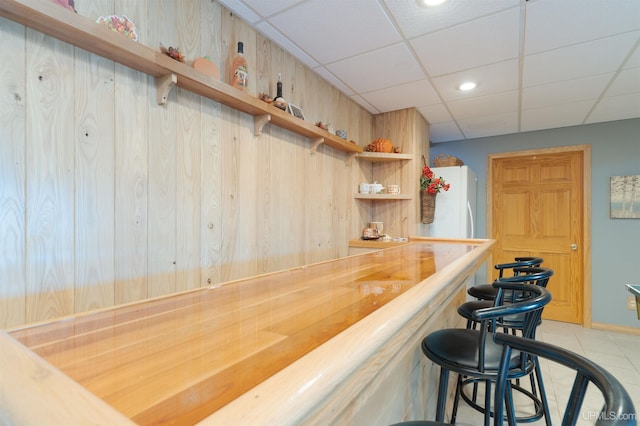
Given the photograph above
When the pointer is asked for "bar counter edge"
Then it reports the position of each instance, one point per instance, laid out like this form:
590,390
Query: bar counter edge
371,373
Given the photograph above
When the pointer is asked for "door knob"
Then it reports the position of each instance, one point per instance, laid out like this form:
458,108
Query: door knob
574,246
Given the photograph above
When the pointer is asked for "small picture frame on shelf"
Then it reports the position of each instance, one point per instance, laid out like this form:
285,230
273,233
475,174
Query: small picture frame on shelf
296,111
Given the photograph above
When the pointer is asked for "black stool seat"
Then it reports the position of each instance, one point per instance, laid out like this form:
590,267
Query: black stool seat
483,291
459,348
466,309
488,291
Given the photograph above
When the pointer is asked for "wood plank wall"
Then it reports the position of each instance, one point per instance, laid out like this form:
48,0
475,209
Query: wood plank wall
107,197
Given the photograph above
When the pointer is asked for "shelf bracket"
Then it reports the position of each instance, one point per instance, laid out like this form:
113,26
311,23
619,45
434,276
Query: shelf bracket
164,85
350,158
258,123
315,144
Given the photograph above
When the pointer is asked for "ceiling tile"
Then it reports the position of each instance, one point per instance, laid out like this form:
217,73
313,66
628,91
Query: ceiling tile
415,20
634,58
437,113
402,96
554,116
489,105
378,69
480,42
445,132
494,78
268,8
580,60
627,82
491,125
565,92
330,30
282,41
616,108
555,23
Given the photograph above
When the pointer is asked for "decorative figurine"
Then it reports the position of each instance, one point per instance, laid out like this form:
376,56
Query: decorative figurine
173,53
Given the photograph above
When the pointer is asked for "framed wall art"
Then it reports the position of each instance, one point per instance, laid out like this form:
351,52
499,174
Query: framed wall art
296,111
625,197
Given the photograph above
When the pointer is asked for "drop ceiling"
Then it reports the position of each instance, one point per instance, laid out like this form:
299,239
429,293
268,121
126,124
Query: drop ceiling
538,64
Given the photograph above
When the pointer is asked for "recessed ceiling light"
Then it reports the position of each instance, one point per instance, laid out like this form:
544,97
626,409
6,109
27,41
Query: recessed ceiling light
430,3
470,85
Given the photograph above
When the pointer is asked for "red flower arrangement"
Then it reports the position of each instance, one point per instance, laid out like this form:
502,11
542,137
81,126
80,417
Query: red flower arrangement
431,183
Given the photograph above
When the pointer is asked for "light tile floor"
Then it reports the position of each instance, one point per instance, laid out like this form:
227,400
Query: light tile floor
619,353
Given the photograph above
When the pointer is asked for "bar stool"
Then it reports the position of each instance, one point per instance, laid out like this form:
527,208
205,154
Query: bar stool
472,352
535,275
527,275
487,291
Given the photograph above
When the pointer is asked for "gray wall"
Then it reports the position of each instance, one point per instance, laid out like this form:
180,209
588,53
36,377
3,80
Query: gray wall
615,251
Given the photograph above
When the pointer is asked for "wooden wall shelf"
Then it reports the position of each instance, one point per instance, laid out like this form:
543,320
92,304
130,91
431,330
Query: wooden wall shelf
56,21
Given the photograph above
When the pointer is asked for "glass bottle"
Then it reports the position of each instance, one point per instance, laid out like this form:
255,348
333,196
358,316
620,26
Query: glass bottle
279,101
240,70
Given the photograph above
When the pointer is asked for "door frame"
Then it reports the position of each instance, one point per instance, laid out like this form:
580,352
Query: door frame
586,213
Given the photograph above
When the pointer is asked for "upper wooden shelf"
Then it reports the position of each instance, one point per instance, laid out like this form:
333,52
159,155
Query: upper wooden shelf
381,157
56,21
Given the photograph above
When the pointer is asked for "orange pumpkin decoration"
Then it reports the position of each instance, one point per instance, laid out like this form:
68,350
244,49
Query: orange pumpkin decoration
380,145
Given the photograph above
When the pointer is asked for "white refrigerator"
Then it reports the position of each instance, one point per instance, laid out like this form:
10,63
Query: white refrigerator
456,208
455,215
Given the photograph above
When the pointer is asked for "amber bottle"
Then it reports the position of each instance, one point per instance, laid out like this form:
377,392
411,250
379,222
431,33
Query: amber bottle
240,70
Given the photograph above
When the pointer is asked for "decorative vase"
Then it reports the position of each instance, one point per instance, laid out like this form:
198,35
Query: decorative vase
428,206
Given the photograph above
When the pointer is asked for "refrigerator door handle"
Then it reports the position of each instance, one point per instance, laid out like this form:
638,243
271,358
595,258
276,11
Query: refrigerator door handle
473,235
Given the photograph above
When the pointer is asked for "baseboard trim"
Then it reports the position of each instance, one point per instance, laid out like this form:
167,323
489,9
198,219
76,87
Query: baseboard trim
616,328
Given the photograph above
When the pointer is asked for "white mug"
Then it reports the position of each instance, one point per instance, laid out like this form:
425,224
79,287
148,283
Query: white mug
364,188
376,188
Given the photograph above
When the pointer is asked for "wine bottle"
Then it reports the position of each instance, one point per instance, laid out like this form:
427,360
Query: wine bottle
240,70
279,101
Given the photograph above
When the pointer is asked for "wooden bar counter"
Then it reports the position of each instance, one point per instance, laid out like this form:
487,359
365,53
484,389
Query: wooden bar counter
333,342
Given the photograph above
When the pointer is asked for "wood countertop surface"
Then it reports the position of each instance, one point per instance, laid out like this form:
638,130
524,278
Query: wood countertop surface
179,359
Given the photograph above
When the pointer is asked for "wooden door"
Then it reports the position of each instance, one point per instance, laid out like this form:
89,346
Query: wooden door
537,209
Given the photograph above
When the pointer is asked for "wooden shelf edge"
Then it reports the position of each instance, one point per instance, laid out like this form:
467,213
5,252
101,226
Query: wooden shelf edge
382,196
375,244
58,22
379,157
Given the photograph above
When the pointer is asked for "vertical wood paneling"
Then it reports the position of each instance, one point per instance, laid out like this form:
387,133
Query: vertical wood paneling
188,138
240,233
162,161
12,174
50,177
131,171
211,155
240,236
94,174
266,144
